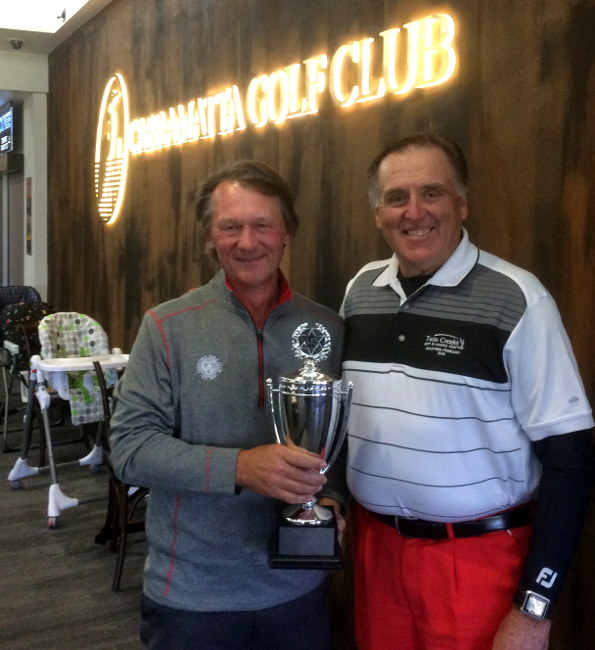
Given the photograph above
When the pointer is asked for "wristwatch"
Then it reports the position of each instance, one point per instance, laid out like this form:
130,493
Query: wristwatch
532,604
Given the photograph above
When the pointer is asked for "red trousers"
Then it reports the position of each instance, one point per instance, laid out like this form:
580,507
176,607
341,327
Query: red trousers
417,594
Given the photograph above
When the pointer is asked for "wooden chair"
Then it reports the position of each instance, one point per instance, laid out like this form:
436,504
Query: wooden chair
123,503
121,520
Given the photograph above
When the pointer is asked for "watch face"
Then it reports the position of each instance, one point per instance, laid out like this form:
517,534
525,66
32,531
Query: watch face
535,605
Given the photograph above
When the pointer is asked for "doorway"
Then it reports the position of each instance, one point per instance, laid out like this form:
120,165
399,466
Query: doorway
12,228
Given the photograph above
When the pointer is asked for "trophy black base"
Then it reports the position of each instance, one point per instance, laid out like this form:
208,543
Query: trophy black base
296,546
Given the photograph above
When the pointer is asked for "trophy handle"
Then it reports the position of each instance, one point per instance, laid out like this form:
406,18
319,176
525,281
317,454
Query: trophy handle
277,423
341,426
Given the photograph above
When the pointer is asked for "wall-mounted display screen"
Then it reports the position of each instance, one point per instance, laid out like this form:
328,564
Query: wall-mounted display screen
6,129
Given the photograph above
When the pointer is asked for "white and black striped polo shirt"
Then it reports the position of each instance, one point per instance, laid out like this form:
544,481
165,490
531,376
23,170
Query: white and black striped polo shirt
452,384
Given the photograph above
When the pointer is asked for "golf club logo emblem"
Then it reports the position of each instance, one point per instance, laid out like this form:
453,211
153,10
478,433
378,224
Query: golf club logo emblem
111,149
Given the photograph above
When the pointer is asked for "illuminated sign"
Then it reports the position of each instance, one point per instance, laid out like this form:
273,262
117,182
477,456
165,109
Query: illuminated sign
111,157
420,54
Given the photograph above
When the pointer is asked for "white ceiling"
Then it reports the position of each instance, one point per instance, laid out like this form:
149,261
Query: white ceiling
41,25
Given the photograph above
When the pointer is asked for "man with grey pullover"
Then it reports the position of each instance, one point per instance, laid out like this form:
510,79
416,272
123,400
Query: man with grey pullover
191,423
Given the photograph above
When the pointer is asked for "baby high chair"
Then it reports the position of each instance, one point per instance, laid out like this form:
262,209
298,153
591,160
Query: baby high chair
11,295
70,343
18,323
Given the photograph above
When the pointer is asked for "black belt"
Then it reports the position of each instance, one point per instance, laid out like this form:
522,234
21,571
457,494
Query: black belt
521,516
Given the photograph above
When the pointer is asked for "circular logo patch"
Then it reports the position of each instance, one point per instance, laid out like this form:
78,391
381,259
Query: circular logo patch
208,366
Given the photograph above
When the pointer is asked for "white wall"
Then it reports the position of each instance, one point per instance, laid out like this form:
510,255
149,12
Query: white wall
21,71
24,79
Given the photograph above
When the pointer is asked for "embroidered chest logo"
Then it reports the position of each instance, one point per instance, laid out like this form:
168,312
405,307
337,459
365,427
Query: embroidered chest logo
208,366
444,344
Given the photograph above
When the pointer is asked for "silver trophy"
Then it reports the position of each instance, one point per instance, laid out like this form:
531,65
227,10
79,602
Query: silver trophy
310,410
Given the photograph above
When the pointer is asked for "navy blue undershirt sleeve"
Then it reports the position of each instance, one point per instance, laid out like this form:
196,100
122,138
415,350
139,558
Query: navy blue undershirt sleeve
564,493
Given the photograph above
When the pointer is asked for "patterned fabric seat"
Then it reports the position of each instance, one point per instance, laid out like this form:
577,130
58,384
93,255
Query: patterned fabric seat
16,294
17,316
71,334
11,294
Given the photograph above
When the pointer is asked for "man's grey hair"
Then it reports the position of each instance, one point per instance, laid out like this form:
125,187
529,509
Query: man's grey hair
455,157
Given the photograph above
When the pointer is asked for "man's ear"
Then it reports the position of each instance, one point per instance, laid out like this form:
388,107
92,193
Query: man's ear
210,247
464,208
377,219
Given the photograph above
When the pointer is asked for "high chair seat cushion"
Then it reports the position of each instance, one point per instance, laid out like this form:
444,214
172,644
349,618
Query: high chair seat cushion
71,334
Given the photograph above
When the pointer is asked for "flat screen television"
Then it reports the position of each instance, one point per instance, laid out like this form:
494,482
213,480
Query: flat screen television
6,129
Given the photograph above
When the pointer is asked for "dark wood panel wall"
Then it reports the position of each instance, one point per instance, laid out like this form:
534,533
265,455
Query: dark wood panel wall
521,104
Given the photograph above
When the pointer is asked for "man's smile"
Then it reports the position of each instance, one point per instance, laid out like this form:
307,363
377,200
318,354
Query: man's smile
417,233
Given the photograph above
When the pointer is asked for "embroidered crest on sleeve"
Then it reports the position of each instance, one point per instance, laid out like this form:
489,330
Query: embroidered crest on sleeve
208,367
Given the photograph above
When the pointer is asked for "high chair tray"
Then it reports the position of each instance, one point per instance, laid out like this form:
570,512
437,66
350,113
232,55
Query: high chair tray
83,363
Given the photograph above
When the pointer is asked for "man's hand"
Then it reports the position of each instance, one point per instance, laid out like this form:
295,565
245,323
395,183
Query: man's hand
521,632
340,519
277,471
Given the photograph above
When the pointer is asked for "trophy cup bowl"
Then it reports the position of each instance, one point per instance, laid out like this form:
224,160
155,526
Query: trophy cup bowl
310,411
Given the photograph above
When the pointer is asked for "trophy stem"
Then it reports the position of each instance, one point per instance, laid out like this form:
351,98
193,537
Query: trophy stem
307,514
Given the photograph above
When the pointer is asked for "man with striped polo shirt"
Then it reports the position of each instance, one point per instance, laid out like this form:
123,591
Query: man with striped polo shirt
470,437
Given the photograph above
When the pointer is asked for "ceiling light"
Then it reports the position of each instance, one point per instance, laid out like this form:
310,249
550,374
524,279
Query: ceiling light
40,15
